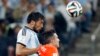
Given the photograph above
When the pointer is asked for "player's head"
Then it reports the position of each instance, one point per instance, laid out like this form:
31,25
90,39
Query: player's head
36,20
51,37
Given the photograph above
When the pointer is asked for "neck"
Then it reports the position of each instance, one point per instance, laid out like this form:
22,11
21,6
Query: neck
52,44
29,26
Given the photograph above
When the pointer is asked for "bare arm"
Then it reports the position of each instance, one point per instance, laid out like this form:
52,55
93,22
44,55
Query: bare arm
22,50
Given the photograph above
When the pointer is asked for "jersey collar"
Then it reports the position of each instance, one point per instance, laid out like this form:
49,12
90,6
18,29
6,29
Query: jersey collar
28,28
31,29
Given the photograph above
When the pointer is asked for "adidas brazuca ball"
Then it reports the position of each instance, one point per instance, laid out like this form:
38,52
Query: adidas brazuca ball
74,9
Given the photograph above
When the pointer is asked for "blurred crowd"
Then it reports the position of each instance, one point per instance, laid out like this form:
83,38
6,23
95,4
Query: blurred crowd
13,16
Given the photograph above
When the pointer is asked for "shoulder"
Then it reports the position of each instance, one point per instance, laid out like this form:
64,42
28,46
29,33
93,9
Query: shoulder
51,48
47,50
24,32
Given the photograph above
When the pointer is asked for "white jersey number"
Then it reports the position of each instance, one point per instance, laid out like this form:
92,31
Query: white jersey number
55,54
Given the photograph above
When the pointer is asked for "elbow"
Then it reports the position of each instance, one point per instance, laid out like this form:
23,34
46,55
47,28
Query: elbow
18,53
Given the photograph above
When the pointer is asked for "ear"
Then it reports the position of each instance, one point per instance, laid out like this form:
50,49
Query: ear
32,22
52,39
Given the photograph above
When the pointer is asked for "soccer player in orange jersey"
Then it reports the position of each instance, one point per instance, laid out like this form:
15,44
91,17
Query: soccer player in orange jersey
51,44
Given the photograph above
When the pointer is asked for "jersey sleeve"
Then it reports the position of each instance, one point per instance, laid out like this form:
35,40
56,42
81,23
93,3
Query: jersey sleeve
23,37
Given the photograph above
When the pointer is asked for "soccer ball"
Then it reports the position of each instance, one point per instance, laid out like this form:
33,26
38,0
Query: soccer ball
74,9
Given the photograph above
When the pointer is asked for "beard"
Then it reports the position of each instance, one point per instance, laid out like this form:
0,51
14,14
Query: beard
35,29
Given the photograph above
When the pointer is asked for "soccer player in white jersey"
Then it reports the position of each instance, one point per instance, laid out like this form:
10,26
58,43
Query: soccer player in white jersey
27,40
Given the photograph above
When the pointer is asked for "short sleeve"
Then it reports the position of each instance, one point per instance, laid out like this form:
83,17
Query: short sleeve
23,37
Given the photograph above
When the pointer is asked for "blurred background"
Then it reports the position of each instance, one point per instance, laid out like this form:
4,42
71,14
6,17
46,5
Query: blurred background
78,36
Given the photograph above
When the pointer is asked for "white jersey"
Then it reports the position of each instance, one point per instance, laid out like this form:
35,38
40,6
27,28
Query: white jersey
28,38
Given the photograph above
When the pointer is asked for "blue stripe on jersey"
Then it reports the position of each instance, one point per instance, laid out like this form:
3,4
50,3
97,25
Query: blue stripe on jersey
24,32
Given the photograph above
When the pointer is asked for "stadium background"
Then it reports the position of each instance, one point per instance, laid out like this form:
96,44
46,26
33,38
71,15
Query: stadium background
74,34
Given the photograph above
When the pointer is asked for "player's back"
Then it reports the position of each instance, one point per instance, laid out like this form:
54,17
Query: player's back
48,50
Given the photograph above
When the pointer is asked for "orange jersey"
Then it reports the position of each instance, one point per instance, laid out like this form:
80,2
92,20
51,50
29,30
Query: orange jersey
48,50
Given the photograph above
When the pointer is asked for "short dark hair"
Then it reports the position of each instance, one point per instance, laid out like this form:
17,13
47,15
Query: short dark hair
35,16
47,35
